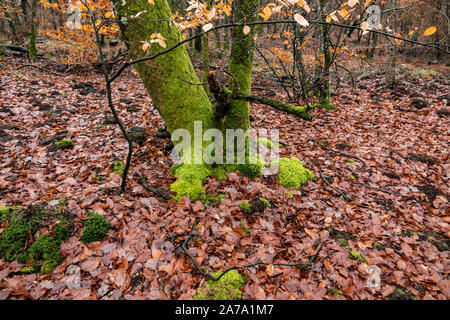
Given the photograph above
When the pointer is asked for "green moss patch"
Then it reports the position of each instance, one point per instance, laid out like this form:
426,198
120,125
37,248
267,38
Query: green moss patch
43,254
64,144
118,167
356,255
334,291
268,143
96,227
292,174
229,287
253,168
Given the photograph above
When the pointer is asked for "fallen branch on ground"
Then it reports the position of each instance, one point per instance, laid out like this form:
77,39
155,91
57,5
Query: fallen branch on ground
41,68
160,192
301,265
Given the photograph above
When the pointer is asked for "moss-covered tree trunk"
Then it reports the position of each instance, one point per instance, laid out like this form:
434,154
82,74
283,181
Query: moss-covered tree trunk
167,77
241,64
171,81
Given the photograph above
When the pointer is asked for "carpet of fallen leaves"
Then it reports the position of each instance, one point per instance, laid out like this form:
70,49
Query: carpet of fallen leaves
384,152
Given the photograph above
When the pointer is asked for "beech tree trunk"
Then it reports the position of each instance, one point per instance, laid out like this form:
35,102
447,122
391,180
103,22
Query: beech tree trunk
167,77
170,80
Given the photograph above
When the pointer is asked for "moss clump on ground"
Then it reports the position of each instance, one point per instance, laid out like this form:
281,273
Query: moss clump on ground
401,294
118,167
212,199
289,195
266,202
378,246
229,287
292,174
334,291
64,144
14,238
341,236
245,208
268,143
355,255
43,254
6,212
252,169
96,227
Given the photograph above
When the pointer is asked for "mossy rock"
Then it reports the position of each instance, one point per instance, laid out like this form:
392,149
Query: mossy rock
229,287
96,227
292,174
401,294
138,135
64,144
256,205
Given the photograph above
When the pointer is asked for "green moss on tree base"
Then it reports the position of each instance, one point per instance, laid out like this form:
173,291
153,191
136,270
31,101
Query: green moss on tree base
292,174
96,227
229,287
191,178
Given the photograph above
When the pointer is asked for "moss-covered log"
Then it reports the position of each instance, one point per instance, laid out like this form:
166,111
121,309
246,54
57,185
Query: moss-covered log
225,99
301,112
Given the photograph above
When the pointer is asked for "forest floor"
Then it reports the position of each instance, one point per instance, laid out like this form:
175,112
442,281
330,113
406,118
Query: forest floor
382,199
